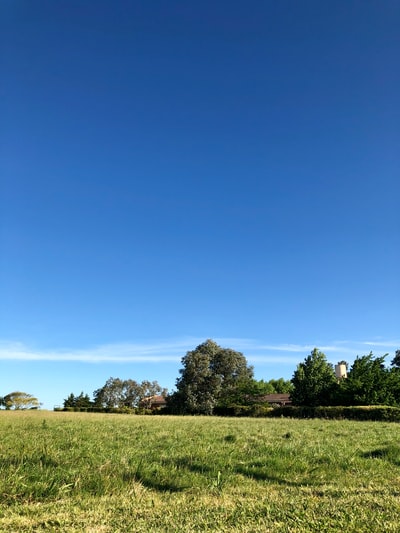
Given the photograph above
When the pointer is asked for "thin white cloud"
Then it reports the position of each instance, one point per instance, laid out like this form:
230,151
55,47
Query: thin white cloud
385,344
120,352
172,351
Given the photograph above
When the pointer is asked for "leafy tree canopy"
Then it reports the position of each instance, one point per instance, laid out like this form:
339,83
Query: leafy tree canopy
20,400
273,386
211,376
313,381
125,393
82,401
368,382
396,359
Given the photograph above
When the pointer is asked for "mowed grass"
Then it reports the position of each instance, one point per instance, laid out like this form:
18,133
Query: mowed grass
117,473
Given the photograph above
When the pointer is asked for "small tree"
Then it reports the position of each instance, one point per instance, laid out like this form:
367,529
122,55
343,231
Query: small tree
20,400
313,381
70,401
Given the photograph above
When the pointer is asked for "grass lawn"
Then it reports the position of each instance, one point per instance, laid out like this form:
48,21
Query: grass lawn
120,473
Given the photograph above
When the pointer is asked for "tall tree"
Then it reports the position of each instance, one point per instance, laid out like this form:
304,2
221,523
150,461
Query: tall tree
313,381
110,395
83,401
211,376
70,401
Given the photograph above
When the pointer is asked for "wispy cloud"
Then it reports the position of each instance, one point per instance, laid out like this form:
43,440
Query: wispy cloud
171,351
384,344
118,352
262,353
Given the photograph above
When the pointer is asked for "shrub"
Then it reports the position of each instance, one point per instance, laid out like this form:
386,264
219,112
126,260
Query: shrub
378,412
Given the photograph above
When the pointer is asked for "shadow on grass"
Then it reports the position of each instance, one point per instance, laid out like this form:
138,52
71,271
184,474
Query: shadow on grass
257,471
260,474
28,461
151,483
389,453
193,466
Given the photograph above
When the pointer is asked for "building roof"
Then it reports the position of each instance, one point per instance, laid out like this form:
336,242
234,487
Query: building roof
283,398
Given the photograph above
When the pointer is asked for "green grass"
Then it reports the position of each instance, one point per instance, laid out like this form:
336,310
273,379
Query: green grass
117,473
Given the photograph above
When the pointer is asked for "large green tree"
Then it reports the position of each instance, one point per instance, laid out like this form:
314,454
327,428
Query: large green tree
369,382
211,376
314,381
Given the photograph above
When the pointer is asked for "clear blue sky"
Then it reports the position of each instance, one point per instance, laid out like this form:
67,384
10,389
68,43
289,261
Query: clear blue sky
177,171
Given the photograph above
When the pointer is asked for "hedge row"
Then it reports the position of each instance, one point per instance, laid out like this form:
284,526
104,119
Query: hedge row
371,412
374,412
115,410
256,410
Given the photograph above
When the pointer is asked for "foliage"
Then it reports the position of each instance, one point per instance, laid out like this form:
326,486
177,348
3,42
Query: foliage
273,386
20,400
368,383
78,402
118,393
91,472
211,376
396,360
314,381
281,386
394,384
255,410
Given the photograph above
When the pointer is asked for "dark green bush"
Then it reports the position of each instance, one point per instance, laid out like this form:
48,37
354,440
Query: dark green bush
255,410
373,412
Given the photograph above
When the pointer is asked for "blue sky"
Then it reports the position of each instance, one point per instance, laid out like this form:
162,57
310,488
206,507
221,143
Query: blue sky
177,171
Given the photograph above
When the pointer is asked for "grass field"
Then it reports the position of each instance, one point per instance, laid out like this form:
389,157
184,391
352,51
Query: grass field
118,473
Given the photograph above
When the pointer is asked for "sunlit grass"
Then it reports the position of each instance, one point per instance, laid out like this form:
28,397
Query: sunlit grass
96,472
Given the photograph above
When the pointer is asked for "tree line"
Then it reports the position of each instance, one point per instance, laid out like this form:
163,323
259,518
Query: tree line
369,381
214,380
116,393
